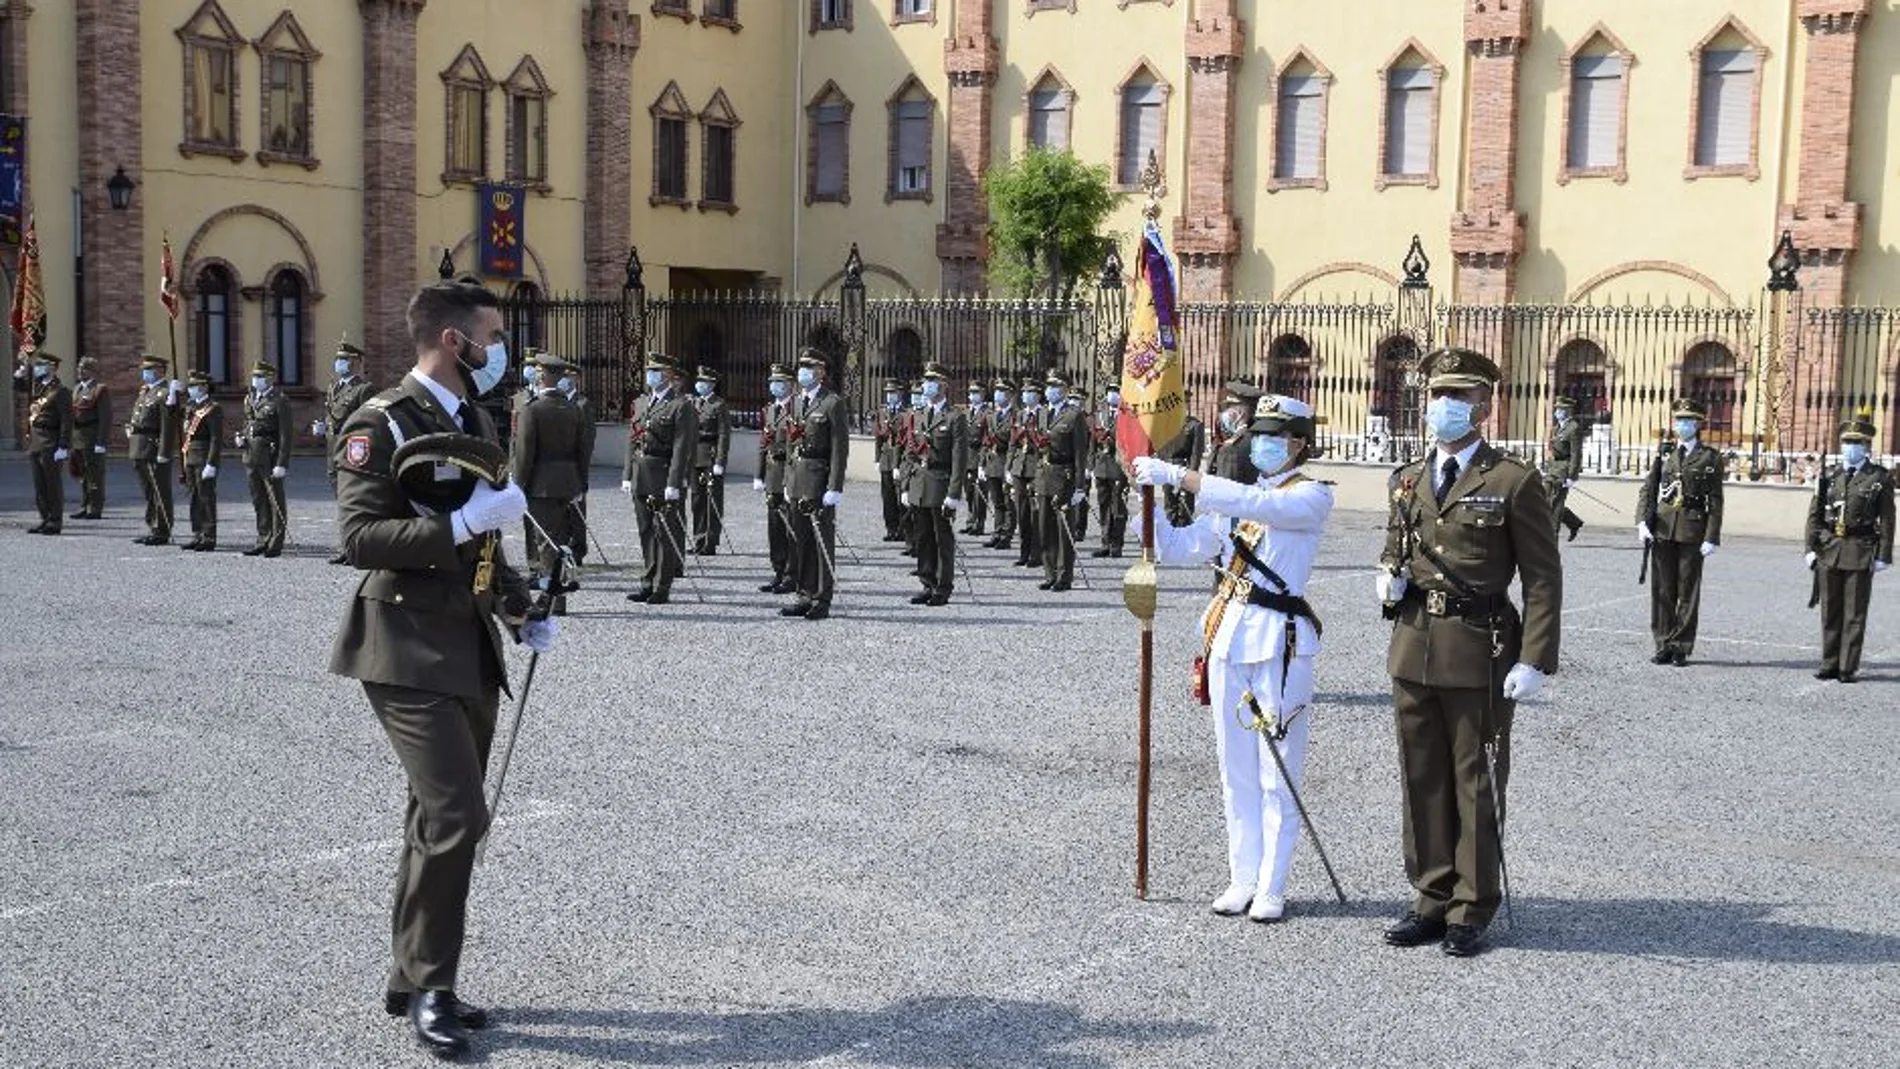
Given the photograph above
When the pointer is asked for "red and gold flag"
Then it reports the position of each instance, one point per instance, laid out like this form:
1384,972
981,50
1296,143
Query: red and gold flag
1153,408
29,295
167,280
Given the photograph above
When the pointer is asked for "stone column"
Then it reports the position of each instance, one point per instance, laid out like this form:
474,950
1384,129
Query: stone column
111,136
970,59
1825,224
391,270
613,36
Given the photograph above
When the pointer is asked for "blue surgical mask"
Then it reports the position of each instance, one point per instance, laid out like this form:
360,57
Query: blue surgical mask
807,378
42,371
531,376
932,390
703,389
655,377
1853,454
1686,429
259,383
1030,398
1001,397
779,388
975,398
895,400
1114,398
564,384
917,400
1229,422
1052,394
148,377
1448,417
1268,453
342,368
494,365
198,394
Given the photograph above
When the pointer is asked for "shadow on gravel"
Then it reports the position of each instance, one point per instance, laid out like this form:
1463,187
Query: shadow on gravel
923,1032
1683,928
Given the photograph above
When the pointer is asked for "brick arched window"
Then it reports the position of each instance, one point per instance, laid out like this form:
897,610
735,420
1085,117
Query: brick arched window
214,318
904,355
211,44
1711,375
671,146
913,116
1582,373
466,84
1051,110
1141,129
828,150
718,153
287,326
1290,367
528,96
285,60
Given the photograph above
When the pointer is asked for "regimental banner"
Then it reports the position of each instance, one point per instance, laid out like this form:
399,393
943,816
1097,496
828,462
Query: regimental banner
12,178
1153,408
502,229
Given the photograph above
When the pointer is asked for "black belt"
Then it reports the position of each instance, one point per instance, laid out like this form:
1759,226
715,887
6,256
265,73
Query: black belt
1291,604
1860,532
939,467
803,454
1445,603
660,455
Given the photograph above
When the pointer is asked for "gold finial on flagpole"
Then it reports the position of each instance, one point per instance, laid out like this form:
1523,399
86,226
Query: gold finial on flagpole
1151,183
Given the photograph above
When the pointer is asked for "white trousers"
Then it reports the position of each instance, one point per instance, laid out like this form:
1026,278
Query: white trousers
1261,816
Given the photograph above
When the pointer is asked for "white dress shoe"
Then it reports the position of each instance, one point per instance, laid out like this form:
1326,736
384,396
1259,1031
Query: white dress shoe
1233,901
1267,908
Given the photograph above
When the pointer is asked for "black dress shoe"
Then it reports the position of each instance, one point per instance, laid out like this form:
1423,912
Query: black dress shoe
1059,586
189,547
273,551
818,611
640,595
785,586
936,600
254,551
437,1029
920,599
769,588
206,547
1828,673
49,530
1462,941
37,529
659,597
1679,659
82,514
1850,677
1662,657
340,558
1099,553
1415,930
1045,584
396,1004
802,608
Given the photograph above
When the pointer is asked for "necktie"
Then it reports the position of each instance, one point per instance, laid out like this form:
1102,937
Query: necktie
464,418
1447,475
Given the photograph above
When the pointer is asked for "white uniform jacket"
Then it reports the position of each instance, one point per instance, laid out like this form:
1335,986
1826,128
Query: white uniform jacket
1294,517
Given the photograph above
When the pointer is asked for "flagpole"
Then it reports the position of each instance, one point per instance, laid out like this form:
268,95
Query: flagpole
1145,690
168,297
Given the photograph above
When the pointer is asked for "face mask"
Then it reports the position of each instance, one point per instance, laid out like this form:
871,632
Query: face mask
1686,429
655,378
932,391
42,371
1113,398
342,367
807,378
564,384
1001,397
530,376
1449,418
780,389
703,389
1853,454
895,400
1029,397
1053,395
494,365
148,377
1230,422
916,400
1268,453
1562,416
197,394
259,383
975,399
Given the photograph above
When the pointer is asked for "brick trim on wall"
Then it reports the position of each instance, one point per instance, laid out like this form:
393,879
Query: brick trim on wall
829,93
270,46
466,72
1069,96
1619,173
612,41
526,82
194,38
718,113
1429,179
929,192
389,123
1271,148
730,22
1167,104
1752,169
671,106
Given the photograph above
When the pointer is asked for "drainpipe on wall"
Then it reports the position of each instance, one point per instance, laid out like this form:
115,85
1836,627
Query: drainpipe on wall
797,155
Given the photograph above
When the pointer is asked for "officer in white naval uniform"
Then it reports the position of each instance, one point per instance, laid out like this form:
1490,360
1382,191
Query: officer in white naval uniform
1281,519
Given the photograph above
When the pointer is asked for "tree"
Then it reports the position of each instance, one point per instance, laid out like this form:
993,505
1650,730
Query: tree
1040,192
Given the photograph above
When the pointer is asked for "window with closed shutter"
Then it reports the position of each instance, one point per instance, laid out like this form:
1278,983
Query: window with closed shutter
718,185
669,180
832,132
1596,113
1725,109
912,156
1049,118
1142,103
1408,122
1297,130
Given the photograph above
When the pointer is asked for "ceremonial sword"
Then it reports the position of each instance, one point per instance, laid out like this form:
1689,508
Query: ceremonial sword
1271,733
659,506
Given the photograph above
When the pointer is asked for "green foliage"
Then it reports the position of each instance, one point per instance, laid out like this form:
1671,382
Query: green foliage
1040,191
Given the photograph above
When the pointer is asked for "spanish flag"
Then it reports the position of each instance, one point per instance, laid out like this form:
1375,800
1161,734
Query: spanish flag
28,319
1153,408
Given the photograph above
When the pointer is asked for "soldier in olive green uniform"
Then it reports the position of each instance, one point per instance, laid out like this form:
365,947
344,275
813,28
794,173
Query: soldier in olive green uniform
992,460
1021,468
1187,449
49,422
1679,521
203,450
1107,476
664,431
885,427
348,390
420,634
1566,463
709,462
1850,540
1062,454
942,456
266,444
821,447
1229,458
1464,522
910,447
549,466
774,450
152,436
971,489
92,426
569,383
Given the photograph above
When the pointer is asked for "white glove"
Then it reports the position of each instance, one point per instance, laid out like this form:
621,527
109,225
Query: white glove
279,473
1881,566
209,471
904,499
172,391
319,429
60,454
1522,682
539,635
1643,534
1153,471
982,472
1077,498
718,470
164,460
237,440
99,449
626,486
672,493
953,504
128,430
1810,560
1568,483
489,509
758,485
1391,587
832,498
1708,549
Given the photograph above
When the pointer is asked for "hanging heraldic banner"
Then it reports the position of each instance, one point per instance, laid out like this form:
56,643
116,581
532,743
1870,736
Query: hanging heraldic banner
503,229
12,178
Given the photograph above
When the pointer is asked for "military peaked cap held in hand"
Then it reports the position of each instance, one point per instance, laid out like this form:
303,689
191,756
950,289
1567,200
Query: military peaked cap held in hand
1274,414
1459,369
1239,392
662,362
421,463
1689,408
1858,428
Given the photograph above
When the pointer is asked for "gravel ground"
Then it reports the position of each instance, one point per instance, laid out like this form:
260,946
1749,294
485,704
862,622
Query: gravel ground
903,837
